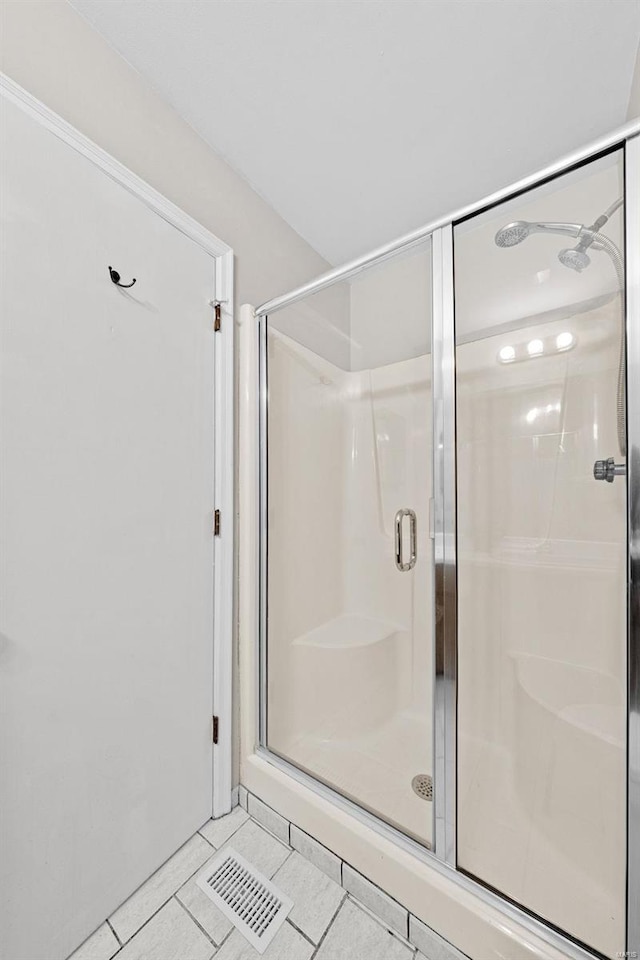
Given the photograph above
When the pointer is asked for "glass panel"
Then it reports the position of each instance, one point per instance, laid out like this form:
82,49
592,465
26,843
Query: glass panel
541,553
349,637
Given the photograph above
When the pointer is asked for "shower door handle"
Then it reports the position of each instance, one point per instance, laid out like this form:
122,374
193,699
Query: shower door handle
413,534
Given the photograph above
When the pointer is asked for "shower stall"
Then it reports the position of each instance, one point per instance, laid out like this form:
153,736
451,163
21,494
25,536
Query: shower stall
448,506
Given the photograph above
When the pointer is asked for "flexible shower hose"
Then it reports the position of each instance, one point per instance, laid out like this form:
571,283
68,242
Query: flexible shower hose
609,247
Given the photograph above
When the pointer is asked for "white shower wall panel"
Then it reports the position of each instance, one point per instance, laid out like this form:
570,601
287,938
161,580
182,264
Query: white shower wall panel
349,634
388,469
541,608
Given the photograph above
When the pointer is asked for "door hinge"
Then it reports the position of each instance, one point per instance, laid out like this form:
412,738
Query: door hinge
217,307
215,729
216,523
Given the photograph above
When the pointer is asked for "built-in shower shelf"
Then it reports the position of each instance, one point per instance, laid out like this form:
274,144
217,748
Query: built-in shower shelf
349,630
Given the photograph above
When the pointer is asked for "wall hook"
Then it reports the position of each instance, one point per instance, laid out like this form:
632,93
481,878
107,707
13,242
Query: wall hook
115,278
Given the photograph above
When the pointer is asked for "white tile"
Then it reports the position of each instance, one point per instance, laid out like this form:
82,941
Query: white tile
204,910
389,910
315,897
287,944
101,945
259,847
158,888
242,796
430,943
170,935
354,935
268,818
218,832
322,858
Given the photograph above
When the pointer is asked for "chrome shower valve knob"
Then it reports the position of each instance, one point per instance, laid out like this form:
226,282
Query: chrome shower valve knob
608,470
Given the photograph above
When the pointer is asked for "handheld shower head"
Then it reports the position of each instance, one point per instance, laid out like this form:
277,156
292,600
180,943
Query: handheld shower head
576,258
512,233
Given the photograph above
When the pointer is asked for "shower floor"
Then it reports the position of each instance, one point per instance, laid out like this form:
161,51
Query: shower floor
375,769
504,839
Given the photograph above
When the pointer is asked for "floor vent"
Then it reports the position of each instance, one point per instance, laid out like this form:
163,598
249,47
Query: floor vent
422,784
248,899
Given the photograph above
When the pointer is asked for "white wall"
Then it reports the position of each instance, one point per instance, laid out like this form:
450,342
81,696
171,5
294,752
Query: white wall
53,52
48,49
634,99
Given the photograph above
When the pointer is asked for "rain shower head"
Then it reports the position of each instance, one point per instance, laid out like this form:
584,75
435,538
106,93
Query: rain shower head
574,258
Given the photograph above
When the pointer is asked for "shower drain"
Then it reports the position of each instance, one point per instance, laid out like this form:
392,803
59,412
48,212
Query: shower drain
422,784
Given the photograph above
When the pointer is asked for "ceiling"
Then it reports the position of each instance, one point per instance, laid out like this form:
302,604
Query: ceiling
359,120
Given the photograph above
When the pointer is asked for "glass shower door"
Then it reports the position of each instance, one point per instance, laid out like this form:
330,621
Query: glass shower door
346,629
541,552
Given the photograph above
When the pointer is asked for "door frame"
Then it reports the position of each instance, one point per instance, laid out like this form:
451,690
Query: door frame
223,402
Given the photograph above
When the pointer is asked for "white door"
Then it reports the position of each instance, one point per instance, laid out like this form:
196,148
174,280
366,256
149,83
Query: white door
106,443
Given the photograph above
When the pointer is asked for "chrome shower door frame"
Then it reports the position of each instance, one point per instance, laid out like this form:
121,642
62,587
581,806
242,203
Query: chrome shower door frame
444,547
632,278
445,560
442,857
263,533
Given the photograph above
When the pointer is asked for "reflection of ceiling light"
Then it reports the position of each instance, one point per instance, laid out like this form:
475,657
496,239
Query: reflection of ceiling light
564,340
535,412
507,354
538,347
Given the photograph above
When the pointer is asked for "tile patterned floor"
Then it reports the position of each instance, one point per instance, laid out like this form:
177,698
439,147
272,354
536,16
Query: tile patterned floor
170,918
